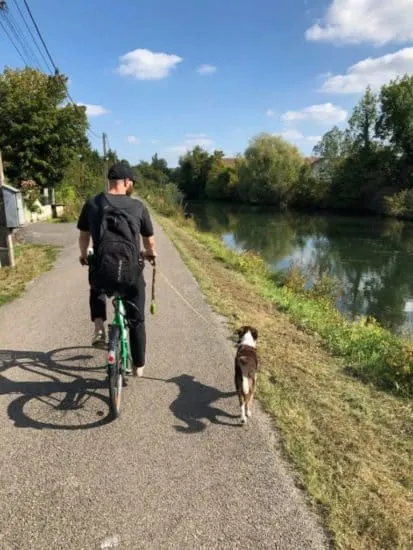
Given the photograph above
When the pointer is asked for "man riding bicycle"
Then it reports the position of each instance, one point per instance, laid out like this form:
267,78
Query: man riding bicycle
122,212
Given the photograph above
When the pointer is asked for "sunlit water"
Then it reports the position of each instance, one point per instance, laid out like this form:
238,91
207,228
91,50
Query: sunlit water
372,257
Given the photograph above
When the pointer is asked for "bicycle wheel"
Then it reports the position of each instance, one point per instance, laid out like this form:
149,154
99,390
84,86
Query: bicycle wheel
114,370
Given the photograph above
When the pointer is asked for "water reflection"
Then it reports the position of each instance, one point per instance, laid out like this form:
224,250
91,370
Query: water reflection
372,257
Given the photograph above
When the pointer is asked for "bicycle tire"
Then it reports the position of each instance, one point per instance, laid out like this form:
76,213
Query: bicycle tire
115,371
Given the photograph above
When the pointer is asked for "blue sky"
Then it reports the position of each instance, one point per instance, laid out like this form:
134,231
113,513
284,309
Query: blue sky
162,76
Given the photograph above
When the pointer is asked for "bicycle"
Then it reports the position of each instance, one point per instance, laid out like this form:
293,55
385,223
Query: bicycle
118,363
118,359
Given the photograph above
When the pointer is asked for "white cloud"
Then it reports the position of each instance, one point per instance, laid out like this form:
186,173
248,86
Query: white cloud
354,21
206,69
326,113
143,64
313,139
291,135
190,141
371,71
94,110
180,149
269,113
133,139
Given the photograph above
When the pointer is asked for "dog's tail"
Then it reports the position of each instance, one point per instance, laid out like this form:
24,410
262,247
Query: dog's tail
245,385
245,377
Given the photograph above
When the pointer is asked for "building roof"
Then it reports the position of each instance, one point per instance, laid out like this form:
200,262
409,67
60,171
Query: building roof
228,161
11,188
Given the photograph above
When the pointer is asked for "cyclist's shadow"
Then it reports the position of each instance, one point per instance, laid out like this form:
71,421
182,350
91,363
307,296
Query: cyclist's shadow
48,401
194,405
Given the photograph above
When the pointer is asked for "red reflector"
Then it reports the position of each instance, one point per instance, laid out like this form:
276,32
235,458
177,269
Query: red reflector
111,358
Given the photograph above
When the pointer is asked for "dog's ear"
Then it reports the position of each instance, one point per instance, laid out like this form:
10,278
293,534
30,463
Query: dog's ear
254,333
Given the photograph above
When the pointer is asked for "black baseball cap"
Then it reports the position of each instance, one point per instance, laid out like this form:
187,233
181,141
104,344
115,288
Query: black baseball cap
120,171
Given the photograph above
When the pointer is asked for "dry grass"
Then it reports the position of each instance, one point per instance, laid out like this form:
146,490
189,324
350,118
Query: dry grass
31,261
351,445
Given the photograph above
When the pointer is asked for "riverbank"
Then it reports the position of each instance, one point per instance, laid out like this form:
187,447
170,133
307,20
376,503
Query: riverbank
350,442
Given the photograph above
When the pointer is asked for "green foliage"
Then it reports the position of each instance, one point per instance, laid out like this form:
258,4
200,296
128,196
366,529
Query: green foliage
270,171
222,181
38,133
193,173
373,353
362,124
396,119
399,204
368,165
154,184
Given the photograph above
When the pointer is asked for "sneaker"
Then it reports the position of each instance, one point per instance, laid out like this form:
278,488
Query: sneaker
138,371
99,339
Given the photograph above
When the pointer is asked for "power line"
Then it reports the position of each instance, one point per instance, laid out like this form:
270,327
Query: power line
49,55
91,131
40,35
12,41
12,25
19,37
31,34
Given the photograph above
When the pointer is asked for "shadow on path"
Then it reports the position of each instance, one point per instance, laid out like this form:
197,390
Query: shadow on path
63,397
194,405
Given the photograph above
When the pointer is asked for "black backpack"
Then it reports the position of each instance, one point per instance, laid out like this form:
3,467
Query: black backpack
117,263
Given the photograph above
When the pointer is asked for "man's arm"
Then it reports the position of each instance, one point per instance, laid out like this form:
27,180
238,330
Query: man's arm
147,233
150,245
84,233
84,240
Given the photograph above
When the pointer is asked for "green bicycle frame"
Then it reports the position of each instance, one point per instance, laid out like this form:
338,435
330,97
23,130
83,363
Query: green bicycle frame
118,334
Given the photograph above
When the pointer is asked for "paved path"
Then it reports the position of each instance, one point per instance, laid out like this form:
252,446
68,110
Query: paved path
175,471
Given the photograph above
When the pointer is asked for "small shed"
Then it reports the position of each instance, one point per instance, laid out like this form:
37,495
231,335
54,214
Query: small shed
14,207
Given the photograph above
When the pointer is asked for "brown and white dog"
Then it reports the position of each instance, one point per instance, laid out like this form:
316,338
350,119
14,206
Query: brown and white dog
246,369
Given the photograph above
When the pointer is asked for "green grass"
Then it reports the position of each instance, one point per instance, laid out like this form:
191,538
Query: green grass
349,437
372,353
31,261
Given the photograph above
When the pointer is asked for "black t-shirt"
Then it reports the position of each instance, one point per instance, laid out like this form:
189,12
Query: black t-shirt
89,219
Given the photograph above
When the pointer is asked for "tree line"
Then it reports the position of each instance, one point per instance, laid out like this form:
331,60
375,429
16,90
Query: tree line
366,166
43,139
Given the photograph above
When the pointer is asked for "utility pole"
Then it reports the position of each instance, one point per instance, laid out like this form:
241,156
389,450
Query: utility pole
6,242
105,162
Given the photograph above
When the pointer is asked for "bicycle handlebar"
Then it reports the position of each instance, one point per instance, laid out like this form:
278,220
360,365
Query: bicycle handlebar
150,259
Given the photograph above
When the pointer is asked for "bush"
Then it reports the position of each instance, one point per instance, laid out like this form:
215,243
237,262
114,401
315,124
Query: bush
165,199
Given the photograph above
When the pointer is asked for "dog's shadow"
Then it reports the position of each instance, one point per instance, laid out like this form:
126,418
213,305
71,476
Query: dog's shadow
194,405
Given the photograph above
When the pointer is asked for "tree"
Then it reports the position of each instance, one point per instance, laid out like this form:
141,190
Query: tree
333,145
332,149
395,123
193,174
270,171
222,181
160,165
156,173
39,135
362,124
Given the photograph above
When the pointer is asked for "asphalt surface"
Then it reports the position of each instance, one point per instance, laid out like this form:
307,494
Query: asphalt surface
176,470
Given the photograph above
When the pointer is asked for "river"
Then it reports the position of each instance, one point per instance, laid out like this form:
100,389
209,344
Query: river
371,257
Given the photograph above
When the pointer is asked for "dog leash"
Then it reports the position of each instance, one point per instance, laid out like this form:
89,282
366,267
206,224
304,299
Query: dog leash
183,298
153,304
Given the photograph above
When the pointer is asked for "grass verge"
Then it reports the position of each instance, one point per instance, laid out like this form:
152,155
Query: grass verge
31,261
351,443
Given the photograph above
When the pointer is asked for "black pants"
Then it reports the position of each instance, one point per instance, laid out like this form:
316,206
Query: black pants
137,332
